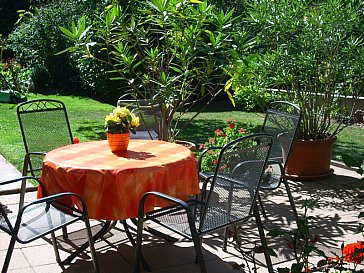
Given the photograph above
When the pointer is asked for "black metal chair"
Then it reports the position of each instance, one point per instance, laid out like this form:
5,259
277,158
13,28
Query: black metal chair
149,114
282,121
42,217
228,197
44,126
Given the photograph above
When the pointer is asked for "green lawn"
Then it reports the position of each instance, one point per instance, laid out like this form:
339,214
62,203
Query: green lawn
86,117
87,120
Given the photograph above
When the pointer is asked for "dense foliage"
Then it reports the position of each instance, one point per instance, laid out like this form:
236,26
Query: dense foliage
314,51
36,40
174,53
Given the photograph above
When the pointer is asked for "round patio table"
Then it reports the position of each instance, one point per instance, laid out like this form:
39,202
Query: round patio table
113,183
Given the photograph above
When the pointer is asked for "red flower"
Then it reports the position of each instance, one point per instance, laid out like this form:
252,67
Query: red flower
242,130
76,140
232,125
224,167
218,132
214,162
351,253
229,120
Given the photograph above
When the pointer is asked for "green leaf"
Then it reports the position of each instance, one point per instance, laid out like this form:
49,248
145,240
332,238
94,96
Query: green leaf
276,233
321,263
67,33
350,161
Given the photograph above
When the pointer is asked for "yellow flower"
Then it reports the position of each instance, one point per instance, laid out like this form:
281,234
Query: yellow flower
121,120
122,112
135,121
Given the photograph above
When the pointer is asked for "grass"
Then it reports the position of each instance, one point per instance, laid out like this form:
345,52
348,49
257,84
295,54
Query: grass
87,120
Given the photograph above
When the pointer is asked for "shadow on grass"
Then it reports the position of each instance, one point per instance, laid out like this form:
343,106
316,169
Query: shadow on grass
355,150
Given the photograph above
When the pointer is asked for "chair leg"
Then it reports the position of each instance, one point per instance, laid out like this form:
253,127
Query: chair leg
261,206
224,244
65,233
290,197
132,241
8,255
263,240
138,245
199,257
92,246
55,248
24,181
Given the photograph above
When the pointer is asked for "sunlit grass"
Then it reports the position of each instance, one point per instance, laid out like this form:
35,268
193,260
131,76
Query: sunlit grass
87,121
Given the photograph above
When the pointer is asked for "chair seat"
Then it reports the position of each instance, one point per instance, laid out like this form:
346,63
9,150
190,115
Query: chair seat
144,135
38,220
175,218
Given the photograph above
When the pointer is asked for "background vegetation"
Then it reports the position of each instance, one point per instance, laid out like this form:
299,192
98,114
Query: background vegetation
87,123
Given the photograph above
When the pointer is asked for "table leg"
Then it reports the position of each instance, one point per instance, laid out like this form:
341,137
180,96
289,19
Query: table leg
83,247
132,241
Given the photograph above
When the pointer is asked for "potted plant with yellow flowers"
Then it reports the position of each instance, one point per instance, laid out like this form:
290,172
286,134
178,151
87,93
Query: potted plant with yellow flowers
118,124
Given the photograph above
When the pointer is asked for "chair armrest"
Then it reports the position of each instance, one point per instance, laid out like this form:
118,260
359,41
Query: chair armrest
18,179
165,197
57,197
203,154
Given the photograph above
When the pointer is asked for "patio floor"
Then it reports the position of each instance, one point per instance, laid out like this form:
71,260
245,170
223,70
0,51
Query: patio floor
335,222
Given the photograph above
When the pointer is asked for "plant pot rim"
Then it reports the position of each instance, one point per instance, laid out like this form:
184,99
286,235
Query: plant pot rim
327,139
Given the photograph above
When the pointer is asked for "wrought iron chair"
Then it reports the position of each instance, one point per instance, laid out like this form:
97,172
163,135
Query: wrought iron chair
44,126
149,115
228,197
42,217
282,120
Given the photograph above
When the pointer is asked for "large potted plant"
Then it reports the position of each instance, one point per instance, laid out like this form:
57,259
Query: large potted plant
172,53
314,54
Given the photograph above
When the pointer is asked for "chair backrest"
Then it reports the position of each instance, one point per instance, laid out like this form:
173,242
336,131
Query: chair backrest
281,120
149,114
237,177
44,126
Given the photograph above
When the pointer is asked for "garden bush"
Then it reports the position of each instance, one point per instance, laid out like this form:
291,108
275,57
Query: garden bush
313,51
37,39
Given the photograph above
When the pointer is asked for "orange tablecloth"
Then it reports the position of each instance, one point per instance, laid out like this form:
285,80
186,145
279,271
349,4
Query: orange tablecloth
112,184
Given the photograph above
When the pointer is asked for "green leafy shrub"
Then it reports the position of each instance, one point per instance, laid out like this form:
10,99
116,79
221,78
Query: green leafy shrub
314,52
174,53
14,76
37,38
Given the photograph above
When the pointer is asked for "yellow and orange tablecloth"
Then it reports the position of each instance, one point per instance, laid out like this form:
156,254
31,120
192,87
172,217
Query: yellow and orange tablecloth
113,183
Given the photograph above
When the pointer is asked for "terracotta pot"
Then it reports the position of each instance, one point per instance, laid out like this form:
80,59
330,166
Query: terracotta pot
310,159
118,142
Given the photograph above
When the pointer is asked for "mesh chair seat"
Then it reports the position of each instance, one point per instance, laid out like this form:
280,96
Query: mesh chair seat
37,220
42,217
